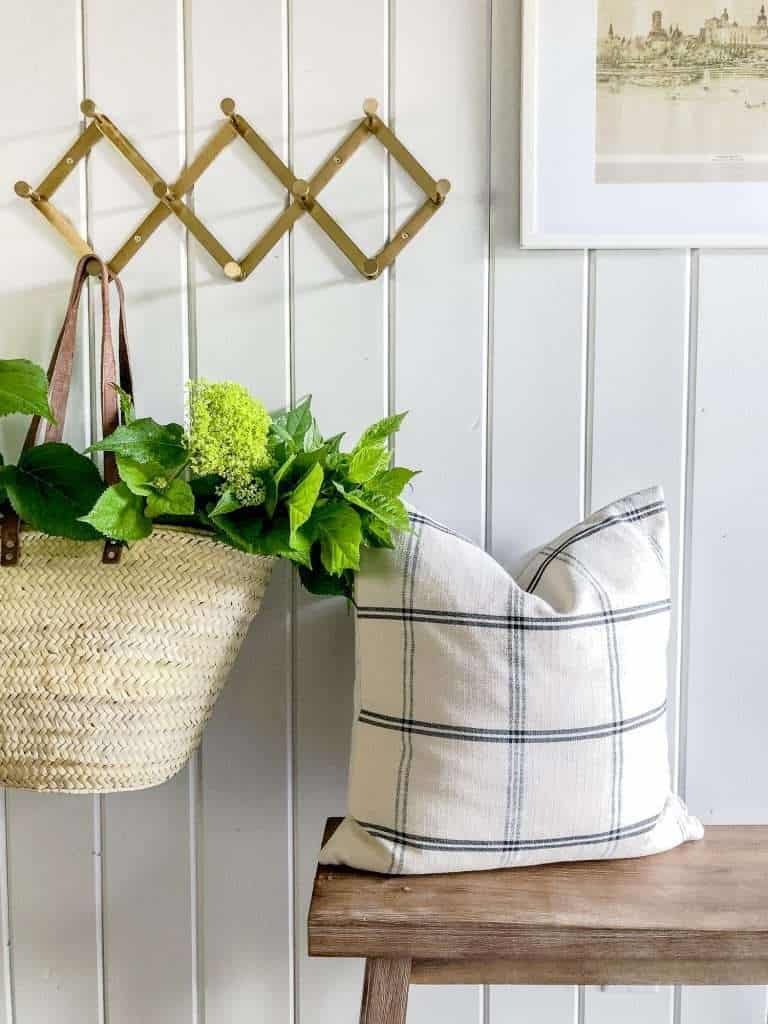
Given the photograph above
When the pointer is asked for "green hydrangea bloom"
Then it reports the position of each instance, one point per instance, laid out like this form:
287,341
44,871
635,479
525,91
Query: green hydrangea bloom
228,431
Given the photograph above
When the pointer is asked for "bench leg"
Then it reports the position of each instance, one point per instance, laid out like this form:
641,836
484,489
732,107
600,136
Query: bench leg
385,991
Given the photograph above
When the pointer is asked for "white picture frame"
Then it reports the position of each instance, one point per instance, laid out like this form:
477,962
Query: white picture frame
563,206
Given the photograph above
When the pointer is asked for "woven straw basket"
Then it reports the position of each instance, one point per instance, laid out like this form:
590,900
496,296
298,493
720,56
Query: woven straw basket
109,673
111,658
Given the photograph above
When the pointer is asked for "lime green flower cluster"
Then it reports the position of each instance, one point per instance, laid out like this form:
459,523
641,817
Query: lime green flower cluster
228,431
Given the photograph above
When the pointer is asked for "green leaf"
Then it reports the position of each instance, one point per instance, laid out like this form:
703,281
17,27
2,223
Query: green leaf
302,498
272,483
333,443
318,581
280,473
240,530
147,441
278,430
176,500
389,511
381,431
392,482
278,541
313,439
226,505
52,487
305,460
141,477
368,462
257,537
338,528
23,388
127,408
376,533
299,419
292,424
119,515
298,427
270,494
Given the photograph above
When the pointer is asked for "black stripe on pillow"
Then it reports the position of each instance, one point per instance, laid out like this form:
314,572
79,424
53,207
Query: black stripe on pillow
632,516
528,622
478,735
637,828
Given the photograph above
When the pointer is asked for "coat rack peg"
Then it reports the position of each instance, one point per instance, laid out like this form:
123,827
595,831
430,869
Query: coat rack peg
234,271
370,108
93,267
88,107
161,190
300,189
25,191
227,107
442,188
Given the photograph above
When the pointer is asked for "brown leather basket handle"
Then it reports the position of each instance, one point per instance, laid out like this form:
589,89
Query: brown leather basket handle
60,382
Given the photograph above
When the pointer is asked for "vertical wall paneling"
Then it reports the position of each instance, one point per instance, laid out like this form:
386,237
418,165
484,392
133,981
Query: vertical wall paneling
727,702
338,57
135,74
537,397
638,440
538,383
241,335
440,293
52,942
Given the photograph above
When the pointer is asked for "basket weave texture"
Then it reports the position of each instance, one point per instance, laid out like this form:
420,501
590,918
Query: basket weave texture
108,673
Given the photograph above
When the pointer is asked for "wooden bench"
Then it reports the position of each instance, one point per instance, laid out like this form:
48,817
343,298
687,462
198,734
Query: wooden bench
695,915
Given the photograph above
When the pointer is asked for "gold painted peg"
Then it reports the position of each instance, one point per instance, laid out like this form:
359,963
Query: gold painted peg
442,188
88,107
300,189
161,190
371,267
370,107
227,107
93,267
233,270
25,191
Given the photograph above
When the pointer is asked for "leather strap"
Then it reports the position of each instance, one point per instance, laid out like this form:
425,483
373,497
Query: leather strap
60,382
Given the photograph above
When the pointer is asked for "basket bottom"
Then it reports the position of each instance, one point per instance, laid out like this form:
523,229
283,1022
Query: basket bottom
78,777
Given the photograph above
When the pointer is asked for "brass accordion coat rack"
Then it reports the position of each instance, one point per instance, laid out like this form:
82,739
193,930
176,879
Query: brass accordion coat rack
303,194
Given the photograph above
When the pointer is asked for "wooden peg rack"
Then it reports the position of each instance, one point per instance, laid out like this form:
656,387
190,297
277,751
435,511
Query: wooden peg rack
302,193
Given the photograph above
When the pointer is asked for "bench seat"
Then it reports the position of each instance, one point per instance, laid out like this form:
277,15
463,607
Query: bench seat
695,915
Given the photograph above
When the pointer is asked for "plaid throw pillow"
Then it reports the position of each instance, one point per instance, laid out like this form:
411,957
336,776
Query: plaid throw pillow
505,721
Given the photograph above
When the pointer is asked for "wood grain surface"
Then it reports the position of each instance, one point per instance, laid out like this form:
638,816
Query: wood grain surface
385,992
705,901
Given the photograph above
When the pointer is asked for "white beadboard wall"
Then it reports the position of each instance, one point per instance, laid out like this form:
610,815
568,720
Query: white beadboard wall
541,384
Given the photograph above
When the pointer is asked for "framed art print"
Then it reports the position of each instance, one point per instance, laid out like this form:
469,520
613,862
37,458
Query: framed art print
645,124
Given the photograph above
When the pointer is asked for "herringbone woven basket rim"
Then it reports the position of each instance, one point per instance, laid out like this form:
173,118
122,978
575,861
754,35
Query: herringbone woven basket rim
108,673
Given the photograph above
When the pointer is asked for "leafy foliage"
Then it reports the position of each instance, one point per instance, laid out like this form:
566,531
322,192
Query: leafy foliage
266,486
52,488
119,515
322,505
145,441
23,388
